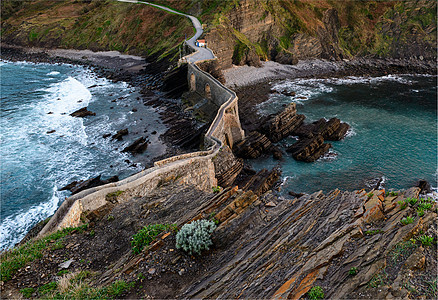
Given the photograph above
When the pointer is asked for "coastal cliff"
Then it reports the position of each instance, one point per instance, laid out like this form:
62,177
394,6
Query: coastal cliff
239,32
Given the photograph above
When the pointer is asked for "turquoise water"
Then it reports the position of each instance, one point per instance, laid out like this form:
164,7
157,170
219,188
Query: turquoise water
35,164
393,135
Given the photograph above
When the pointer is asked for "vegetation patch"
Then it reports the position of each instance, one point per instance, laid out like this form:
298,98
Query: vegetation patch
196,236
407,220
15,259
147,234
316,293
425,240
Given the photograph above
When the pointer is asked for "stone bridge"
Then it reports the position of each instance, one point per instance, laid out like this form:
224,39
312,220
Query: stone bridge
196,168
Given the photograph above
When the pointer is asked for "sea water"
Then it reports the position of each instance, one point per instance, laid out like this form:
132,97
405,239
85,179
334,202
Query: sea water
35,164
393,133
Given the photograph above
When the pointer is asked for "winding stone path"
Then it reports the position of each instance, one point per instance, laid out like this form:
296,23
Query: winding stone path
201,53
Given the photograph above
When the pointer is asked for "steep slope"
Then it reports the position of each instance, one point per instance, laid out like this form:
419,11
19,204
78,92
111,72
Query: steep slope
350,244
96,25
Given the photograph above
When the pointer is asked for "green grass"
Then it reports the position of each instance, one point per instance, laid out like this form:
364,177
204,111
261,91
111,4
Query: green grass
15,259
48,288
373,232
412,201
403,204
402,249
27,292
147,234
378,280
352,271
420,212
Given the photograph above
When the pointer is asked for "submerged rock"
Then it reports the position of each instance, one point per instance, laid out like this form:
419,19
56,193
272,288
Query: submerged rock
83,112
119,135
138,146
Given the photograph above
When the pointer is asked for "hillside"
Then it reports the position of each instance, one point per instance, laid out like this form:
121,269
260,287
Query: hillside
239,32
355,245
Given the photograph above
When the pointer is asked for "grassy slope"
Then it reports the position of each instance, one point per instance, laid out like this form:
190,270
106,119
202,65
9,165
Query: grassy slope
97,25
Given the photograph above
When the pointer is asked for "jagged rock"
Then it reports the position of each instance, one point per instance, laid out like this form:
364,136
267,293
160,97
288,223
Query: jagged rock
263,181
119,135
227,167
106,135
83,112
51,131
309,150
424,186
78,186
332,129
296,195
279,126
286,58
138,146
276,153
252,146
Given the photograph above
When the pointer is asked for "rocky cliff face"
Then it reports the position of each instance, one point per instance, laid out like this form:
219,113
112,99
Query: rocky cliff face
286,31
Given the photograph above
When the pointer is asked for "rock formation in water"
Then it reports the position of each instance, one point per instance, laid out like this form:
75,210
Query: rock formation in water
83,112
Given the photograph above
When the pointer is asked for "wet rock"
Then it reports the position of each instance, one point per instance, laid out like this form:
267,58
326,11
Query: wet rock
134,110
332,129
119,135
296,195
276,153
51,131
106,135
276,127
424,186
138,146
340,133
309,150
83,112
154,132
78,186
252,146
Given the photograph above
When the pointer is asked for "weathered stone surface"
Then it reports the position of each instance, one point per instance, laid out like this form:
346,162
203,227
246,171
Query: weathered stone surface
227,167
332,129
83,112
263,181
137,147
252,146
309,150
278,126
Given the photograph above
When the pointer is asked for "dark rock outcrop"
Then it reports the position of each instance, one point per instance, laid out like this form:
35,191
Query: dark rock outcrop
424,186
119,135
252,146
332,129
83,112
78,186
309,150
276,127
137,147
263,181
227,167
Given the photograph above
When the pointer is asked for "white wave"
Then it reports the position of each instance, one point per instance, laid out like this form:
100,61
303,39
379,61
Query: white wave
330,155
53,73
350,132
25,220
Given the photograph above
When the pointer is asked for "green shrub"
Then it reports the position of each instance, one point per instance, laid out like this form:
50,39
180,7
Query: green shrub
147,234
216,189
425,240
196,236
425,205
403,204
370,195
373,232
316,293
420,212
412,201
352,271
393,193
407,220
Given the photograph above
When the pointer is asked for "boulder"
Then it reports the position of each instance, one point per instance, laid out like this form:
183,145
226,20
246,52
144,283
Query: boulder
83,112
119,135
263,181
309,150
138,146
78,186
252,146
332,130
424,186
339,134
278,126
